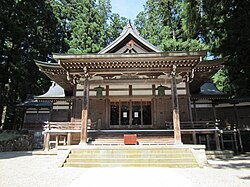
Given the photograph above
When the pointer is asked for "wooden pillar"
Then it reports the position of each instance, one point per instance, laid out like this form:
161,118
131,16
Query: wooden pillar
236,116
217,139
195,111
153,90
214,111
85,103
208,142
130,113
222,141
57,140
69,135
73,107
189,102
69,110
190,113
238,128
217,133
235,141
175,107
107,90
46,141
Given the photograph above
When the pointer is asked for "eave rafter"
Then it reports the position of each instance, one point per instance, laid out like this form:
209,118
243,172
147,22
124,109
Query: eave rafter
56,73
109,64
141,64
204,71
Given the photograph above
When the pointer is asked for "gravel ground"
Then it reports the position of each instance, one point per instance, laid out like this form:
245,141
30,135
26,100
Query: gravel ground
25,169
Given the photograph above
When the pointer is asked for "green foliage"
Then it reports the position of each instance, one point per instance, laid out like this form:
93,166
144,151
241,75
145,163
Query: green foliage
33,29
225,28
164,23
89,25
115,26
221,27
28,31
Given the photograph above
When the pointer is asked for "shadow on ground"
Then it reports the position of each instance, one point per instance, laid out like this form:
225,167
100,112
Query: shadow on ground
245,178
241,165
238,162
6,155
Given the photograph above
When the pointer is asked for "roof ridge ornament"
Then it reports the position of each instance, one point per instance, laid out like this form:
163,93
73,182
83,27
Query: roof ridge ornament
128,27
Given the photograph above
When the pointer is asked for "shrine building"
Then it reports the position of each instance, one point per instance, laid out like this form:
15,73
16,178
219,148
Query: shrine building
132,88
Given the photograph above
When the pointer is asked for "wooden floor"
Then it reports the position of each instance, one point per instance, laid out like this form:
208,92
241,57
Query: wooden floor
142,139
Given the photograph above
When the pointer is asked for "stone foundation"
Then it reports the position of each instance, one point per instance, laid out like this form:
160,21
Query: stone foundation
22,141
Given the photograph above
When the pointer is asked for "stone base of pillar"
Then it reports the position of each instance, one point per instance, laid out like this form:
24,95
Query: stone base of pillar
178,143
83,143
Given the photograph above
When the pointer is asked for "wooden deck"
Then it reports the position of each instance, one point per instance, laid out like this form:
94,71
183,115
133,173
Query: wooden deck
68,133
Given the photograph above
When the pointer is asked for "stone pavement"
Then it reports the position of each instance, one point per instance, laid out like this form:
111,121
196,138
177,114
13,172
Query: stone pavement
25,169
131,177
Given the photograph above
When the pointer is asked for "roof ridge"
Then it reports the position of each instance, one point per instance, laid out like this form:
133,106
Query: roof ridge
129,29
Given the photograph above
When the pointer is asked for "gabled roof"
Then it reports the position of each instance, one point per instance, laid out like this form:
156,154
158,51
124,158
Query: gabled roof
34,104
54,91
129,34
209,91
204,71
209,88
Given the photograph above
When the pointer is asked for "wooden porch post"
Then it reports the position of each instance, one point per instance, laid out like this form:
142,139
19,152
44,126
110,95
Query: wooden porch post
194,138
214,111
85,103
175,107
46,141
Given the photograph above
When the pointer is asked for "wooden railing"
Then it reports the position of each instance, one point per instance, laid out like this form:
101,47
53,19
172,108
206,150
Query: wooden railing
62,126
193,125
55,132
58,131
62,130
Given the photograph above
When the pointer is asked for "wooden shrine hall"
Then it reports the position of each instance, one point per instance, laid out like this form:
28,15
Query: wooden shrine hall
129,87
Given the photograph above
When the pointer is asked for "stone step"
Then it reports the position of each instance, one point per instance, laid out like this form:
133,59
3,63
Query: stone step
130,160
169,165
129,151
219,154
139,155
131,156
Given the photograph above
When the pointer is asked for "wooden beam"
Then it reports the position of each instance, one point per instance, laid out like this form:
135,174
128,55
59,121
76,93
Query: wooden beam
153,90
130,90
85,106
175,107
107,90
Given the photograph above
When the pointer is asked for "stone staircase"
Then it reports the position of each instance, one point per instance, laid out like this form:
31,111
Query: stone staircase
131,156
219,154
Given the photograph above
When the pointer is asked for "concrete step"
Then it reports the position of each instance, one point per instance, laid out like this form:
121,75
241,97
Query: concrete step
131,156
130,160
219,154
128,151
169,165
156,155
